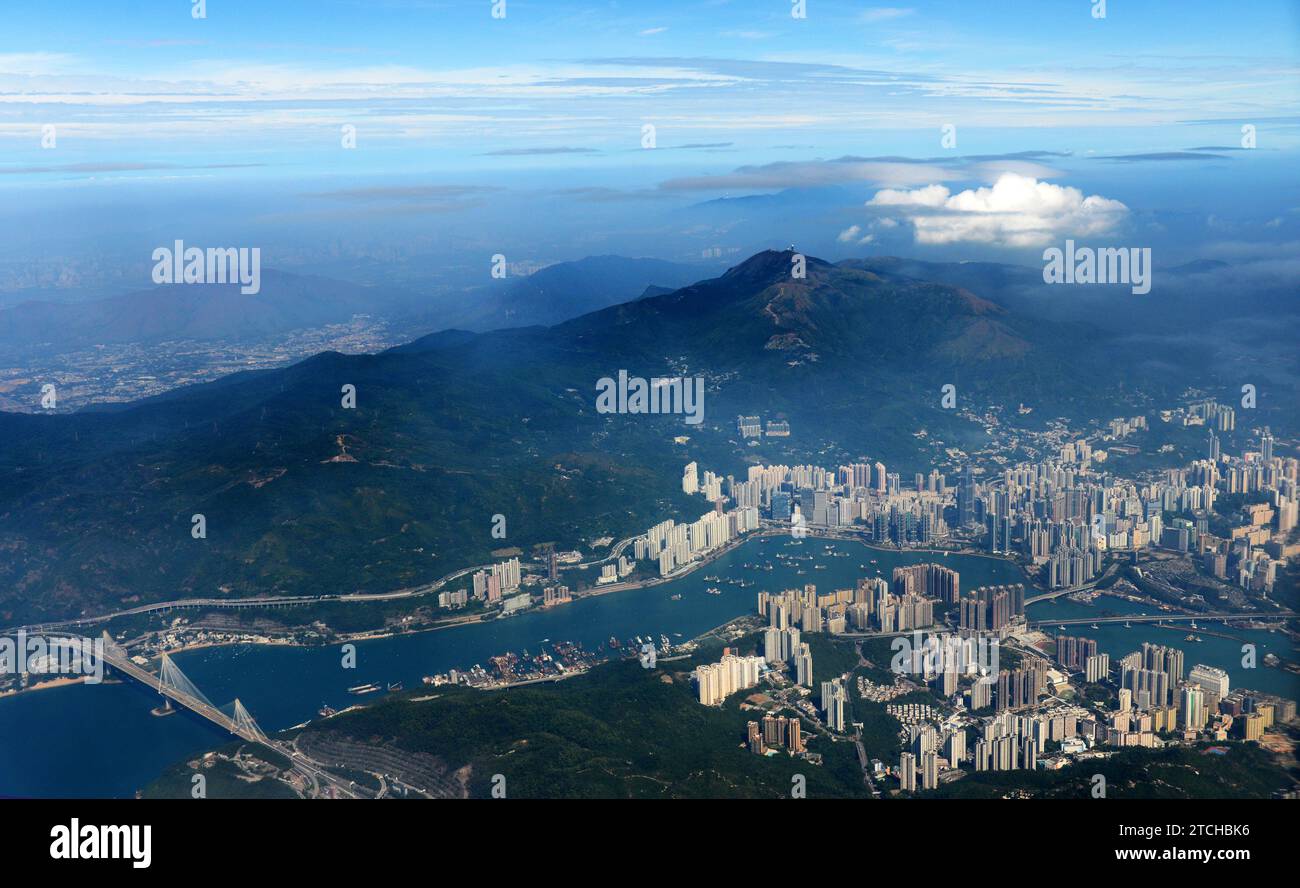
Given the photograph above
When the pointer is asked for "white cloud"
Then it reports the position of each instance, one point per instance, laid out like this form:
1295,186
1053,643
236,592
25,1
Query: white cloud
851,234
34,64
650,32
814,173
929,196
884,13
1017,211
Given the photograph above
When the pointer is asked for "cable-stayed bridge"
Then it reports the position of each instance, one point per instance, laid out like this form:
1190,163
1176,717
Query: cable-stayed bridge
176,686
173,684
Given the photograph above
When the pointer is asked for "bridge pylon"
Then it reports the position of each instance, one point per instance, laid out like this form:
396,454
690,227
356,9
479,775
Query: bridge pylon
245,721
170,676
112,647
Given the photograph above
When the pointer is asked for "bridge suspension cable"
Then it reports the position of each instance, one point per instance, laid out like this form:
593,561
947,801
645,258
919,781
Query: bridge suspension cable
244,720
170,676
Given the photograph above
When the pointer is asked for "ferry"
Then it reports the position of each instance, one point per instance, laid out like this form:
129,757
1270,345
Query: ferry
363,689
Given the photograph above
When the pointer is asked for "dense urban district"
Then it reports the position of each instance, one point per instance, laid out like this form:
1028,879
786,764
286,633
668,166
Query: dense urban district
910,684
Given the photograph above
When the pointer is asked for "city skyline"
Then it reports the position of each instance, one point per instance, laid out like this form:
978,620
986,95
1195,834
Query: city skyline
729,399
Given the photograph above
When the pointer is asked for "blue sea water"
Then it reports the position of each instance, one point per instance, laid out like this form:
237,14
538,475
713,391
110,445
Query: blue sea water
100,740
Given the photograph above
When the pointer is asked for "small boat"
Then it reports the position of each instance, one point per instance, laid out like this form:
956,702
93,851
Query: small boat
363,689
394,686
1062,628
1094,626
677,597
326,711
1127,625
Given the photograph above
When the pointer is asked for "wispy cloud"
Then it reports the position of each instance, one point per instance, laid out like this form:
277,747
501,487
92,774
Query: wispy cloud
532,152
111,167
890,170
884,13
1161,156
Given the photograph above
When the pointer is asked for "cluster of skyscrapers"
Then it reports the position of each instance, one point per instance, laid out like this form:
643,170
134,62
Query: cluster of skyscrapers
718,681
992,608
489,586
674,545
776,732
1082,655
834,698
501,579
781,646
870,605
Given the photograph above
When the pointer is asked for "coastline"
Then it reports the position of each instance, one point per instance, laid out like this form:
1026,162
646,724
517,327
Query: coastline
61,682
592,592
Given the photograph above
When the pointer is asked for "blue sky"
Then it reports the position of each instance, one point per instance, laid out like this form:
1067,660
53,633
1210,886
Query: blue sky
205,120
273,82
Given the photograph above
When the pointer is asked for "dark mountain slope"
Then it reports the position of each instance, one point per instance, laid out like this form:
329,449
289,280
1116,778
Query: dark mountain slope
569,289
303,496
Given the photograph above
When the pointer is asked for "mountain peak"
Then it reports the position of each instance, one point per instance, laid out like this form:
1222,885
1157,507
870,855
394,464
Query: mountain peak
770,266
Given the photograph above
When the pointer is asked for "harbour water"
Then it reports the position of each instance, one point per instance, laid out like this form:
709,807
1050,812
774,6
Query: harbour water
102,741
1213,649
